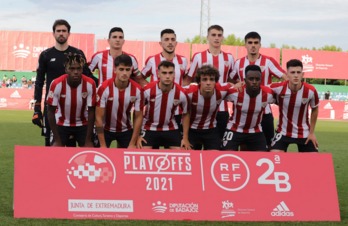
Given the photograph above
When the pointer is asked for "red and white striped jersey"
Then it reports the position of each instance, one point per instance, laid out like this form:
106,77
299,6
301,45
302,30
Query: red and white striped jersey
160,106
224,62
118,104
247,111
293,108
203,110
269,67
104,62
151,64
72,103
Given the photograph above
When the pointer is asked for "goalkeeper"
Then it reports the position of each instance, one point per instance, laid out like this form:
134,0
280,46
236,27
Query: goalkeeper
51,66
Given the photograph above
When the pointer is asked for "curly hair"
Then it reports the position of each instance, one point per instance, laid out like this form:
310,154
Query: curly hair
72,58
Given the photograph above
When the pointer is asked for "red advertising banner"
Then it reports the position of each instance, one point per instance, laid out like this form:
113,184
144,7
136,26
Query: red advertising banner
90,183
19,99
319,64
20,50
132,47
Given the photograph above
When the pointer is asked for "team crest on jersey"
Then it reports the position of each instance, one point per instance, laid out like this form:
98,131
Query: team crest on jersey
239,104
50,94
226,63
176,102
152,99
132,99
305,100
110,98
63,96
84,95
262,68
218,102
264,104
182,67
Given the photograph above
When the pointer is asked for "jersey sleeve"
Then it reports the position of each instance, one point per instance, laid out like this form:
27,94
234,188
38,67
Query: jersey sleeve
184,102
194,66
234,73
40,77
274,68
101,96
91,101
53,94
146,72
315,99
93,64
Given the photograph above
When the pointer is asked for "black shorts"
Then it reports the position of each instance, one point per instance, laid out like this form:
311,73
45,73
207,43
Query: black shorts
281,142
122,138
155,139
209,138
78,132
253,141
267,125
221,122
48,134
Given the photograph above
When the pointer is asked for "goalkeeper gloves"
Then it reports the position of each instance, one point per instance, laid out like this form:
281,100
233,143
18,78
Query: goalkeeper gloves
37,117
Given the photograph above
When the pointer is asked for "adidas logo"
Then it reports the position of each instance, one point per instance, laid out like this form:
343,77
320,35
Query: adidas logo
282,210
328,106
15,94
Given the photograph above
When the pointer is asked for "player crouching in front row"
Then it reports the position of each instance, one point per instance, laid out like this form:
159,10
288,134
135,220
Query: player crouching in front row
68,98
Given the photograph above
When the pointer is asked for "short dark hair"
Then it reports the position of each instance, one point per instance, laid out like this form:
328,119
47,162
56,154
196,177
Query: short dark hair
72,58
115,29
252,34
123,59
216,27
167,31
61,22
252,67
294,63
166,63
207,70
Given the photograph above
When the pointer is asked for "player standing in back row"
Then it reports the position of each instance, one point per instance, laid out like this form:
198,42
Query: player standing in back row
222,61
104,60
269,67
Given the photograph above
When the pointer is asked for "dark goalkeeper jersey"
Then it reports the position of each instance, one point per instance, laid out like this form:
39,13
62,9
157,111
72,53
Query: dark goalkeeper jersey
51,66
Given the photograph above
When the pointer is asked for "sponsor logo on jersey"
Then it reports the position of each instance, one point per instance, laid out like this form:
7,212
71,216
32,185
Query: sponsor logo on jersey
176,102
305,100
50,94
